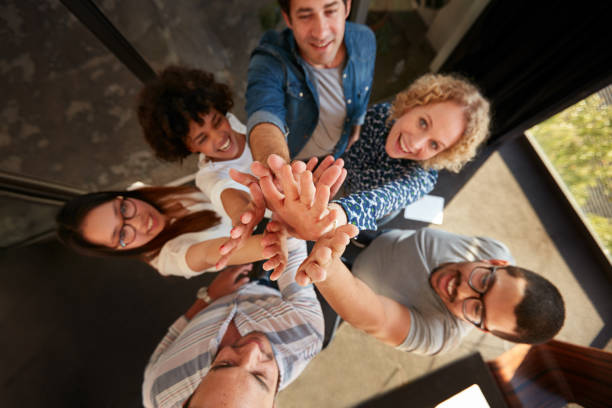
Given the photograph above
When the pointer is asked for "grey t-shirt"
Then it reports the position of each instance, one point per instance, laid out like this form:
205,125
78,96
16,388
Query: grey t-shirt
397,265
332,113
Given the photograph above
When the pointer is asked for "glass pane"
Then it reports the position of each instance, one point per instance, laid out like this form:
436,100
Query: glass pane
415,37
578,143
21,220
67,112
67,107
216,36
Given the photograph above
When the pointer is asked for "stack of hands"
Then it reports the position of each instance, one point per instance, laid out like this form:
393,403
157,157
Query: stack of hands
298,196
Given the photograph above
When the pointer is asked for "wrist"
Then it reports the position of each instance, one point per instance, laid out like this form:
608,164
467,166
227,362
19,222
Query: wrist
203,293
341,218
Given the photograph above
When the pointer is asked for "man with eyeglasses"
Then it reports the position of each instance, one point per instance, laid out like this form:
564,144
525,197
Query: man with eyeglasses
421,291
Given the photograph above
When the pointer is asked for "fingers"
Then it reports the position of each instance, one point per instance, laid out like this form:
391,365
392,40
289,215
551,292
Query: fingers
228,246
324,165
260,170
348,229
302,279
237,232
316,272
257,200
298,167
312,163
236,270
275,162
330,176
334,189
321,200
269,251
242,178
240,282
222,262
307,188
288,182
278,271
339,242
321,256
273,197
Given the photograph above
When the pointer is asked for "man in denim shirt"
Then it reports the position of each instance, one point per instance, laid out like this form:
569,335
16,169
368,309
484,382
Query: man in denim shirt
311,81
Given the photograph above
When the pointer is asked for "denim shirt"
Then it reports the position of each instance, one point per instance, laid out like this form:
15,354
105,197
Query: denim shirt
280,90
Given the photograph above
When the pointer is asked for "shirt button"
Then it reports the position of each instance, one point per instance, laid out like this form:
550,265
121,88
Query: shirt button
301,94
348,101
367,87
343,75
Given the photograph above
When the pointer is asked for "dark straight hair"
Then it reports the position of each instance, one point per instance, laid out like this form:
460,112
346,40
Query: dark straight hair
285,6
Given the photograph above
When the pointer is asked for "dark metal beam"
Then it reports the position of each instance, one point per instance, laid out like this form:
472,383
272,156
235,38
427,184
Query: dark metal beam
96,22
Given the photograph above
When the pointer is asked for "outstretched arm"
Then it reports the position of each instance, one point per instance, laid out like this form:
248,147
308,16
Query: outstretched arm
379,316
364,208
266,139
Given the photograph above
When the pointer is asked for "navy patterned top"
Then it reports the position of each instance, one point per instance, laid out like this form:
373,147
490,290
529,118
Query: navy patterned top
377,183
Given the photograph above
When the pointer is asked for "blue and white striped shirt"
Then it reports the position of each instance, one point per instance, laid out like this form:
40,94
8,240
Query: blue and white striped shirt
291,319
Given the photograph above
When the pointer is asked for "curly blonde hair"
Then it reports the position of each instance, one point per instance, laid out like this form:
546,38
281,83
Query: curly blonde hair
433,88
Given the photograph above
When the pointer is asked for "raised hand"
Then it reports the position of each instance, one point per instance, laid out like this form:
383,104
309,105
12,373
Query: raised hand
243,229
316,266
320,171
301,205
228,280
274,243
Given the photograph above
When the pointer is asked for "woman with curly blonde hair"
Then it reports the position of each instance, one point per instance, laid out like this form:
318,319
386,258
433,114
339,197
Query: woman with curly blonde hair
437,123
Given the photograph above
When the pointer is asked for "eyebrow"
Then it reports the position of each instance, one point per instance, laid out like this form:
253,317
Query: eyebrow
198,137
229,364
432,125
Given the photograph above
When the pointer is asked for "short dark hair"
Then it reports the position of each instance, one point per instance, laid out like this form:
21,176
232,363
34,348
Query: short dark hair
541,312
285,6
170,102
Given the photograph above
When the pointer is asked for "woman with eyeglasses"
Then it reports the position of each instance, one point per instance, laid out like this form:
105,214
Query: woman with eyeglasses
174,229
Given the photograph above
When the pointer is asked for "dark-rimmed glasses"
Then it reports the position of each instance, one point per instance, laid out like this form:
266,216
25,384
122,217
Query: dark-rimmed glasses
481,279
127,233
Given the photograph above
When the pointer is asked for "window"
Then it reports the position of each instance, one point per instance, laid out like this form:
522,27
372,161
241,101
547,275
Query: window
577,144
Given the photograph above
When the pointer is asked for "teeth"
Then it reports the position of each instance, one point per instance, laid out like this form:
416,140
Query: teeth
402,145
150,223
225,146
451,286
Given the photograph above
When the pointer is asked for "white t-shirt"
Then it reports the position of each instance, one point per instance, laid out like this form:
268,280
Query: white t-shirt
171,260
213,176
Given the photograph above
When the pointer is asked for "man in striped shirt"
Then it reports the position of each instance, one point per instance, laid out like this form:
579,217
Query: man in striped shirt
240,348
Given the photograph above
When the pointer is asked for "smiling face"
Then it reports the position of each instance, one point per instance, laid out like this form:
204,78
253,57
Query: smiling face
215,137
107,224
243,374
426,130
318,28
450,283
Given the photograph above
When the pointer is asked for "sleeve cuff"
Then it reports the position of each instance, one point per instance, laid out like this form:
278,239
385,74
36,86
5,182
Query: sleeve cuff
262,116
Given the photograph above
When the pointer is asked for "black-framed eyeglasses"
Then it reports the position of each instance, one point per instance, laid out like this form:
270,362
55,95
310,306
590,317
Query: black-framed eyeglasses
481,279
127,233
